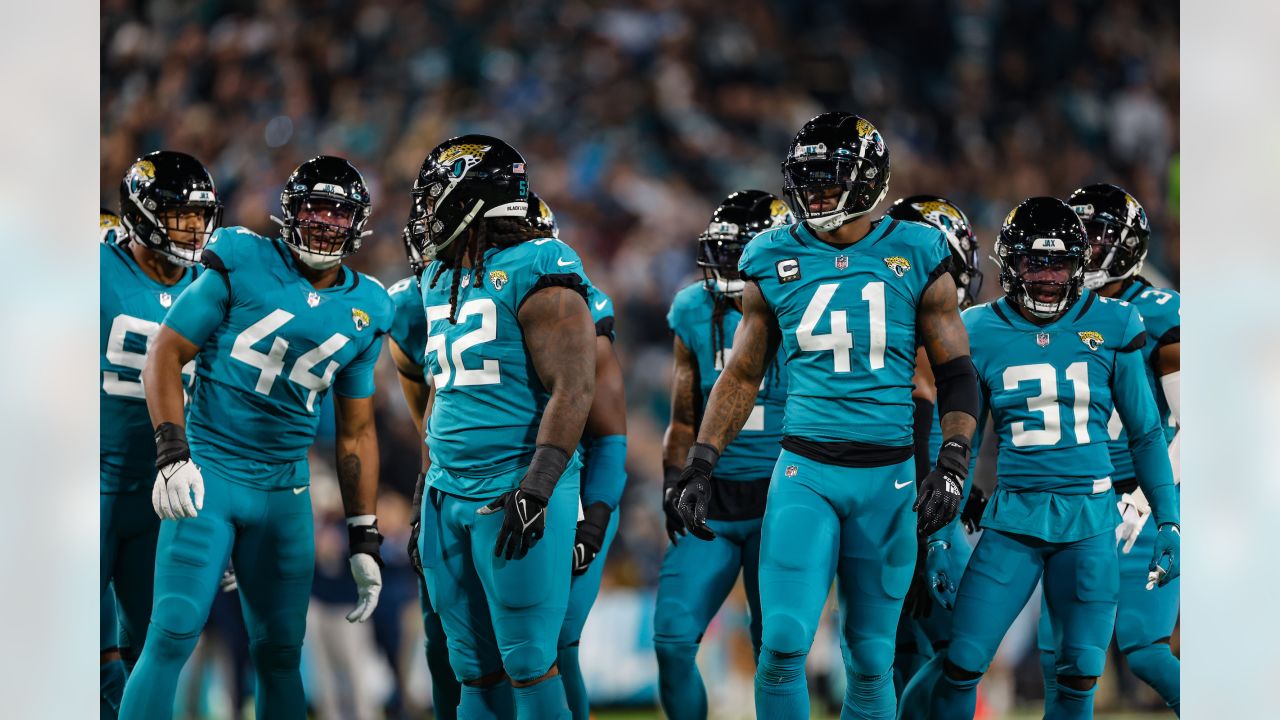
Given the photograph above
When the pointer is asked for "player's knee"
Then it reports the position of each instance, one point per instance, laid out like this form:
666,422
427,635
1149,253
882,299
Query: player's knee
167,647
526,681
954,672
1082,662
487,681
870,657
674,655
780,668
527,664
1148,656
177,615
1079,683
275,657
784,634
673,622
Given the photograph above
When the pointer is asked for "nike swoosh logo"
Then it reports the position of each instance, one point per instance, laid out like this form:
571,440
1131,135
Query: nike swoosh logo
600,305
899,485
562,263
299,491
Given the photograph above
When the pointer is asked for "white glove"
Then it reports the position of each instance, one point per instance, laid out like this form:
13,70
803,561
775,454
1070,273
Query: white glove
171,496
368,577
228,581
1134,511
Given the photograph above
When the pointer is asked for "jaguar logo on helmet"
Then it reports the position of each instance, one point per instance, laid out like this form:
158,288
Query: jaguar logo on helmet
142,172
867,133
360,318
463,157
498,278
1091,338
899,265
779,214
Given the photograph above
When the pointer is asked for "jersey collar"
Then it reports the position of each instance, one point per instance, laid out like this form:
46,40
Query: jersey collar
805,234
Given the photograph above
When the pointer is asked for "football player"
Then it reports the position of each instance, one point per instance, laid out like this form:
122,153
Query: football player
511,347
169,204
1054,360
1119,234
697,576
274,325
846,298
603,479
925,625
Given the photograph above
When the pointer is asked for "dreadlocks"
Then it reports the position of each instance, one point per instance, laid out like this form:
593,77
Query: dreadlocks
483,235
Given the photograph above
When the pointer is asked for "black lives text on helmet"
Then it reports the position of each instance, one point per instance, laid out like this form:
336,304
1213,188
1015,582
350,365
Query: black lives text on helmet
944,215
1042,251
462,179
541,217
169,204
835,151
1118,230
326,205
740,217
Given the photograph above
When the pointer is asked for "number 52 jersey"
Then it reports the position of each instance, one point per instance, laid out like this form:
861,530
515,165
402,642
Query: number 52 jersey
271,346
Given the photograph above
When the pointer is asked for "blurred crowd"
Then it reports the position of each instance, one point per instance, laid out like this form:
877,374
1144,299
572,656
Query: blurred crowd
635,119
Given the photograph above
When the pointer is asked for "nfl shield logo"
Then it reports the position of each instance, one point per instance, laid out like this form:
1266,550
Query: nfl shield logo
791,470
313,299
1042,339
165,299
842,262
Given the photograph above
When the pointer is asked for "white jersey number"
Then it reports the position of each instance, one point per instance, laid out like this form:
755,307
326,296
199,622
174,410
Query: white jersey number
117,354
489,373
271,363
840,341
1045,403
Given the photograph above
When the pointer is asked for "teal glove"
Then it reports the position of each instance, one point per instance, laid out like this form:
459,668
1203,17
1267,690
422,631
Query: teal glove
937,572
1164,561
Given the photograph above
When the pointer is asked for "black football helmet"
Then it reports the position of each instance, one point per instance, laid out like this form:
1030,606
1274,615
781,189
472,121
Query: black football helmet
835,151
464,178
541,217
1042,251
1118,231
740,217
326,205
110,229
158,194
943,214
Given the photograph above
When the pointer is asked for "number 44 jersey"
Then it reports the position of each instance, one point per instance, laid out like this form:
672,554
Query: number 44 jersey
271,346
848,321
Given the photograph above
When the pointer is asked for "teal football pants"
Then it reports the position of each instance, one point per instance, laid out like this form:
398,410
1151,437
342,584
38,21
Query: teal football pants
127,556
1081,586
853,524
111,673
583,590
920,638
269,538
697,576
446,693
500,614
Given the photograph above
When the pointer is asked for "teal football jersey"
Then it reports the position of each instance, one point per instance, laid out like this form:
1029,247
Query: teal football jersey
752,454
1162,316
848,322
601,312
1049,390
409,326
270,349
489,401
130,309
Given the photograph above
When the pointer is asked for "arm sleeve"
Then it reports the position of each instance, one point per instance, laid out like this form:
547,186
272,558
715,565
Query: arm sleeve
606,471
356,379
1137,408
200,308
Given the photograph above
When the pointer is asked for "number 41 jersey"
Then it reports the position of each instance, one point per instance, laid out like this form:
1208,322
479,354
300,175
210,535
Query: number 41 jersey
271,347
848,321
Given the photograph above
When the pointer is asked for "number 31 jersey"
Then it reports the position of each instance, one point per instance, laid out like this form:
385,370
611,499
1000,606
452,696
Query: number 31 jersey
489,401
848,321
129,314
271,347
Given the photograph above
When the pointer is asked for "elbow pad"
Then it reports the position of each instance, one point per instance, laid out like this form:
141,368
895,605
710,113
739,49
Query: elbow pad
957,383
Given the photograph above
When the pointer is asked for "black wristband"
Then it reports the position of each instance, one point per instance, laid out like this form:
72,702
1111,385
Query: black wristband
365,539
171,445
954,455
544,471
703,457
957,384
597,514
670,477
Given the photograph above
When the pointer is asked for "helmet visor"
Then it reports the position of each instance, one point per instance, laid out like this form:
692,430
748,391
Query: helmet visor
188,228
1106,238
1046,277
325,225
816,187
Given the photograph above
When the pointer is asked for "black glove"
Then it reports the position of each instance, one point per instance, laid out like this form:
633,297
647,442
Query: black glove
971,516
415,526
670,496
919,602
695,490
525,507
590,537
940,492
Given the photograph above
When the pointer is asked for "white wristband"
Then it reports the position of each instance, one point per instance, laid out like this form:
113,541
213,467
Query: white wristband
356,520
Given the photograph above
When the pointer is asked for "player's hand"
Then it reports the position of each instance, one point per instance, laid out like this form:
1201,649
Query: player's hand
940,492
523,524
695,490
971,515
176,485
590,537
671,496
228,581
415,526
938,576
1134,511
1164,561
366,568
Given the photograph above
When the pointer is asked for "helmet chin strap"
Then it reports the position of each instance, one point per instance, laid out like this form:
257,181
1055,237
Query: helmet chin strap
316,261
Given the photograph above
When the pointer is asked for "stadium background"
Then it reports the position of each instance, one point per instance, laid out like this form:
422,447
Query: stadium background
635,119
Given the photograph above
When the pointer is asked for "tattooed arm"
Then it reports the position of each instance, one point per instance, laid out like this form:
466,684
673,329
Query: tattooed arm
357,444
682,429
947,344
734,395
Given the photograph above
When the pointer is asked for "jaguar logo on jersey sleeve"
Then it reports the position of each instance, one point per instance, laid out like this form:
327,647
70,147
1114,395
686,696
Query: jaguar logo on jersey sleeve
498,278
1091,338
899,265
360,318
